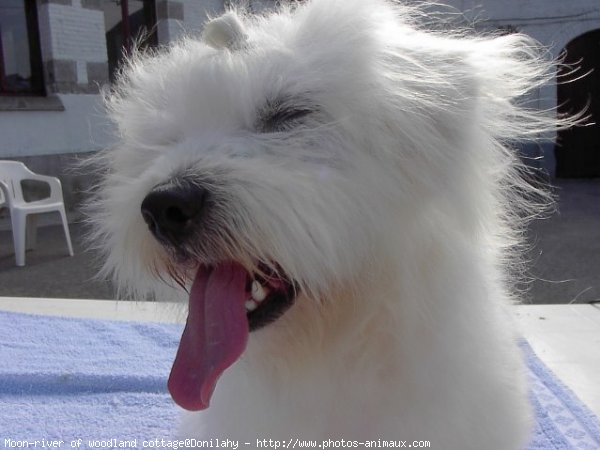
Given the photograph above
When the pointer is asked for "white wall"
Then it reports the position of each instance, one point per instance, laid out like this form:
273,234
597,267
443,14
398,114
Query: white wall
70,32
67,33
81,127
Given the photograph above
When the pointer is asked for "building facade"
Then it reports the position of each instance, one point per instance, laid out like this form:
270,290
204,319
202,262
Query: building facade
570,30
56,54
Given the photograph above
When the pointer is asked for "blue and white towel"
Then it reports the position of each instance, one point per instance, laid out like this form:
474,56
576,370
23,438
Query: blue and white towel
85,382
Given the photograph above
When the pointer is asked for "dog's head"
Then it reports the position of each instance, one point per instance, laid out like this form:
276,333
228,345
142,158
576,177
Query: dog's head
277,159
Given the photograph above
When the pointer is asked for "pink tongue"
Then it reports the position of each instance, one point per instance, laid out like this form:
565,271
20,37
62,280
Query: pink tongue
214,337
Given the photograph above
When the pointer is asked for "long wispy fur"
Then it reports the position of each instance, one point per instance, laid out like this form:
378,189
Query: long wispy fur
396,203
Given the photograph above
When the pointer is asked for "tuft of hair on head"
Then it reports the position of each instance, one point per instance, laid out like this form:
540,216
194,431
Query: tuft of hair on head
225,32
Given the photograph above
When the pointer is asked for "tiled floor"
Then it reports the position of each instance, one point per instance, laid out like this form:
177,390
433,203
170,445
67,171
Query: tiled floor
565,337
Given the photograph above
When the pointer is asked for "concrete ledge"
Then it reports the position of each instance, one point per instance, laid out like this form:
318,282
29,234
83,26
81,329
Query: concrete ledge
18,103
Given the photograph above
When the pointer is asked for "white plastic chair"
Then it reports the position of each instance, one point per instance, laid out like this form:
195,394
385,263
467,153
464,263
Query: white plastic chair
21,211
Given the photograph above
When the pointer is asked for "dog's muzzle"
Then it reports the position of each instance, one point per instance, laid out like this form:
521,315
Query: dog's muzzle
177,213
226,299
172,210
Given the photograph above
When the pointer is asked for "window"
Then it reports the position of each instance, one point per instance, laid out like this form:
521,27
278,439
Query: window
126,21
20,56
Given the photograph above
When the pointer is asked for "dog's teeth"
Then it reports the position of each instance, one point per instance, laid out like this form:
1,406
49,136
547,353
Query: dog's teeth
251,305
259,292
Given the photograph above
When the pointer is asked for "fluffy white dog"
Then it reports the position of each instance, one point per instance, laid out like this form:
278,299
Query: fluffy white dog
333,186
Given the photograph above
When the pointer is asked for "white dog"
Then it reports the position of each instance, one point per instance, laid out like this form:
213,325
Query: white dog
333,185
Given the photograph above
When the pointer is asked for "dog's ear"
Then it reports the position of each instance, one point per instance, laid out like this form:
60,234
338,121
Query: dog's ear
225,32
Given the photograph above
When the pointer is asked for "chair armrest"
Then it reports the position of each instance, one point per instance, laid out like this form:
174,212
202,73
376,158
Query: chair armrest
7,195
53,182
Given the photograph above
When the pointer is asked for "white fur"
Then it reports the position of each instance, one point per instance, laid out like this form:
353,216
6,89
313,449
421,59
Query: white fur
224,32
396,207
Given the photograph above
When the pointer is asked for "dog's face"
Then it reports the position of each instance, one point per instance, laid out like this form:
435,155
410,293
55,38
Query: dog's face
256,154
245,175
271,163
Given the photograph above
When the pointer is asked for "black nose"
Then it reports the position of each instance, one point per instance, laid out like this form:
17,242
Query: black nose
172,209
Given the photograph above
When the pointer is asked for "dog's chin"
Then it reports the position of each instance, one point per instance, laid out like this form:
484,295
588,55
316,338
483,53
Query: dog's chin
226,302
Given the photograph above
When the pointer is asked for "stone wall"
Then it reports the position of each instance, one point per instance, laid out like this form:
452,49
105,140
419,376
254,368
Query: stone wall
73,45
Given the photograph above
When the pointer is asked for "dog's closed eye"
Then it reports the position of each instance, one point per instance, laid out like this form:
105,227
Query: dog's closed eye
282,115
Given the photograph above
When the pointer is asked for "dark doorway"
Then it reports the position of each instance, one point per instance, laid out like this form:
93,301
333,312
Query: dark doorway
578,149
